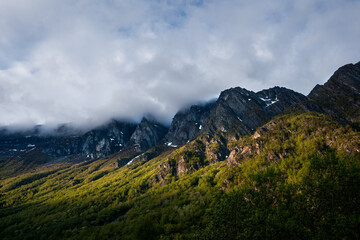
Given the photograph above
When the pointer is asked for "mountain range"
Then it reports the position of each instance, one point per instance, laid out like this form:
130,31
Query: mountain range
236,109
273,164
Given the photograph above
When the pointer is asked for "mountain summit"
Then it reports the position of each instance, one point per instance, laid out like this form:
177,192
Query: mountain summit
236,109
340,96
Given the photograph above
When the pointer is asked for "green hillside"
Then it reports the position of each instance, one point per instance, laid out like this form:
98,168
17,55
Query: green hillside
297,177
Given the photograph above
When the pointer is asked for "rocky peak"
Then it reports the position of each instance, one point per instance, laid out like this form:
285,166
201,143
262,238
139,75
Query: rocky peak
107,139
340,95
236,109
346,78
187,124
148,134
244,110
277,99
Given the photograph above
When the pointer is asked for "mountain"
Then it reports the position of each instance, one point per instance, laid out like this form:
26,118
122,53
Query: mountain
236,109
66,143
101,141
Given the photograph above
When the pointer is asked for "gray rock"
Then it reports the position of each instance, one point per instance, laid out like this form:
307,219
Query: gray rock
236,109
148,134
340,95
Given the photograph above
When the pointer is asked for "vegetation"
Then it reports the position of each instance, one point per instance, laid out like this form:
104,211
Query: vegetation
297,178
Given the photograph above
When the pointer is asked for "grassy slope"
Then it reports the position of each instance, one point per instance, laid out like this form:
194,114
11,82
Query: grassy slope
299,177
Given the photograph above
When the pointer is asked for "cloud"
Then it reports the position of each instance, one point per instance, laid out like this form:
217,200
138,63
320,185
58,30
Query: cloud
87,61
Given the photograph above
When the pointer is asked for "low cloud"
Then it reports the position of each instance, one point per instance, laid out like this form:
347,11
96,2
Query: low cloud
85,62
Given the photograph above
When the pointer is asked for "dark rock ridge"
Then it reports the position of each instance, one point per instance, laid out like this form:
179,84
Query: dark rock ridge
340,95
147,134
99,142
106,140
236,109
187,124
242,111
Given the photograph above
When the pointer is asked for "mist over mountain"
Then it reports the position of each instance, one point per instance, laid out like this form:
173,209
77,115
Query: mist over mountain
84,62
236,110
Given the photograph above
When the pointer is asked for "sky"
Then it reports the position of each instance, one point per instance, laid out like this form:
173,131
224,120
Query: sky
86,61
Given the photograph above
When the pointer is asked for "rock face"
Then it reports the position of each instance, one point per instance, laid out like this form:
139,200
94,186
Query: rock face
236,109
107,139
148,134
340,95
99,142
278,99
187,124
96,143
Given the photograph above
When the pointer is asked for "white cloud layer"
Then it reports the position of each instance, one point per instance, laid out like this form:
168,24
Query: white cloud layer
85,61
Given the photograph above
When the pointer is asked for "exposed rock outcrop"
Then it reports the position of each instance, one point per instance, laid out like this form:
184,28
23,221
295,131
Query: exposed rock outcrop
147,134
236,109
340,95
187,124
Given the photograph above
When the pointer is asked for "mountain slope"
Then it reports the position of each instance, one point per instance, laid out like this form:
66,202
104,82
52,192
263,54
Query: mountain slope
301,181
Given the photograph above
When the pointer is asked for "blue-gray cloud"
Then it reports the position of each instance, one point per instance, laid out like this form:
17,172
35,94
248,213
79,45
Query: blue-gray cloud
86,61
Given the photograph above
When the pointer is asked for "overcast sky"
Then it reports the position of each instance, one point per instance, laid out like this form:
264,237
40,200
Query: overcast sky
84,61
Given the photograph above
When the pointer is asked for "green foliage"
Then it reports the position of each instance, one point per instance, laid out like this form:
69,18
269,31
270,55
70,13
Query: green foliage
322,204
303,183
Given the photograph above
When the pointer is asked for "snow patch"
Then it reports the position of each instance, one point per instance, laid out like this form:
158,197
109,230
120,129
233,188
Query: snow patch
30,145
131,161
200,127
31,149
268,101
239,119
272,102
170,144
